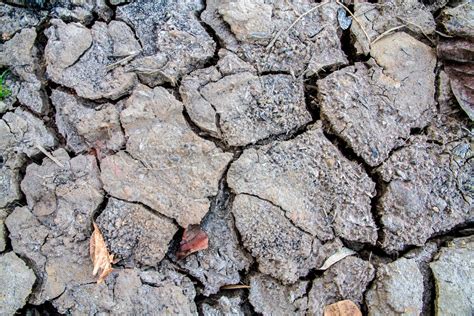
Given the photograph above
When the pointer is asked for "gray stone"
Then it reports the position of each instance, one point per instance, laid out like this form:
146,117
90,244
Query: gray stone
453,272
429,191
374,106
459,20
345,280
9,185
13,19
171,170
242,108
134,234
397,290
87,126
269,297
17,280
258,34
281,249
221,263
81,58
223,306
319,190
377,18
31,95
174,41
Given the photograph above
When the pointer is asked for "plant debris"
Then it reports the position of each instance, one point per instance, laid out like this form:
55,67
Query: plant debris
194,239
338,256
100,256
342,308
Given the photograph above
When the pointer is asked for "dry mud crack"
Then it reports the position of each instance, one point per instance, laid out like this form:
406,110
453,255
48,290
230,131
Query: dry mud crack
288,135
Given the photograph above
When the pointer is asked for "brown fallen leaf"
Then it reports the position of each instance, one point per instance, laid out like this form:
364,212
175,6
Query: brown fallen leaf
194,239
342,308
100,256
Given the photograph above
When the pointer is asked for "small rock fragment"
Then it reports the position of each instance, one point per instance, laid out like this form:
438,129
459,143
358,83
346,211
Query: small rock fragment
269,297
85,127
429,190
347,279
17,281
453,272
171,170
319,190
398,289
223,306
374,106
134,234
78,58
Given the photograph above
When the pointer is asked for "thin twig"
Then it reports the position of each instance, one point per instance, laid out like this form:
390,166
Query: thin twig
47,154
421,29
235,287
387,32
282,30
355,19
122,61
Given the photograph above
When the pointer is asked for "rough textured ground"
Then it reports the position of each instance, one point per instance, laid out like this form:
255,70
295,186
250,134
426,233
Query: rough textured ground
287,133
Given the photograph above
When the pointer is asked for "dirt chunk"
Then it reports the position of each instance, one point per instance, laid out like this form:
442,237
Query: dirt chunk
223,306
221,263
453,273
13,19
374,106
86,125
241,108
134,234
78,58
3,232
459,20
377,18
80,11
17,280
319,190
398,289
429,190
171,170
19,55
174,41
345,280
269,297
281,249
258,34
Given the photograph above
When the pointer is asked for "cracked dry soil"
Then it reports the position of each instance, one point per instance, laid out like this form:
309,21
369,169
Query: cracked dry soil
285,137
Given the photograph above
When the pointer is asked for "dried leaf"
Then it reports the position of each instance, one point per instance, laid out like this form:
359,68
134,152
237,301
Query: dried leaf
458,55
338,256
194,239
342,308
100,256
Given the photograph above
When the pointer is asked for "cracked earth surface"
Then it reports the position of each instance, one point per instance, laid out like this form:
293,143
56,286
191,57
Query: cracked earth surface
285,137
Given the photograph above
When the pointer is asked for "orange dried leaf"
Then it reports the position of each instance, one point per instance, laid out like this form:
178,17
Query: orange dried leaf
101,259
342,308
194,239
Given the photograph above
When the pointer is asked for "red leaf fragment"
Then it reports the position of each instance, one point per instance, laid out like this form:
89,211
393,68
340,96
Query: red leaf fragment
194,239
